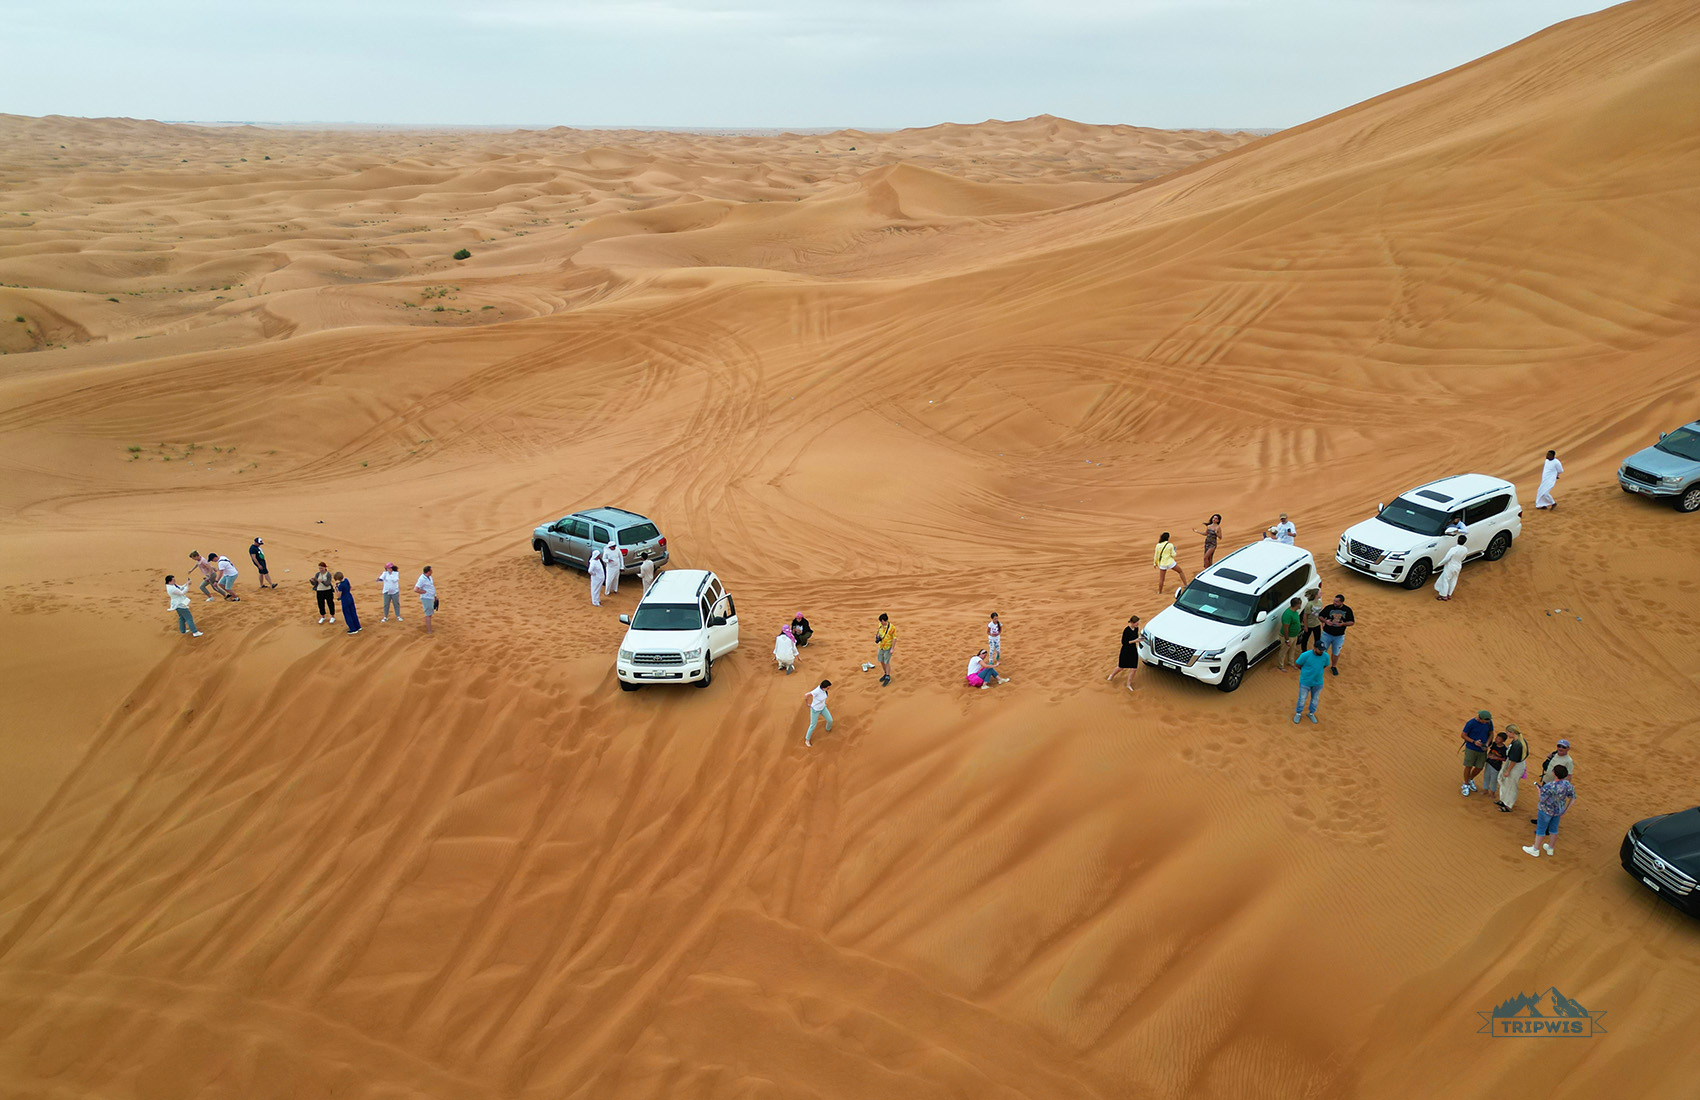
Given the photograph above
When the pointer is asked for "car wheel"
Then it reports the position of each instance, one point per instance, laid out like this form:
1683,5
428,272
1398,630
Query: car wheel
624,686
548,555
1419,574
1235,676
1689,501
707,672
1497,548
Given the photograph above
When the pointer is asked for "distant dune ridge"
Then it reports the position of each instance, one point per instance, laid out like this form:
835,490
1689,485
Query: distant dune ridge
933,373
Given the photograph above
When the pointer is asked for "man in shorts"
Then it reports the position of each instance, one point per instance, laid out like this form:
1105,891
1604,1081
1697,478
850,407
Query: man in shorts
1556,795
1336,618
884,638
1475,737
257,555
1291,625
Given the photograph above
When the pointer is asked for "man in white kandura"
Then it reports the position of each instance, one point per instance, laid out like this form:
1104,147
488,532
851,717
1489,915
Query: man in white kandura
611,565
1551,469
597,576
646,573
1450,565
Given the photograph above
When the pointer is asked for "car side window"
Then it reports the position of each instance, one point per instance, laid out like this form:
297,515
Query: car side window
727,609
706,610
601,535
1487,509
578,529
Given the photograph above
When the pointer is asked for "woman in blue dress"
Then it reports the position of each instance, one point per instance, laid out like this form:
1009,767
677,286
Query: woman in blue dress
346,591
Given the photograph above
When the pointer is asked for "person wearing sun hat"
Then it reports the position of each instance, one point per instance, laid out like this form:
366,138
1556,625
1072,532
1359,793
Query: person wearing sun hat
1475,738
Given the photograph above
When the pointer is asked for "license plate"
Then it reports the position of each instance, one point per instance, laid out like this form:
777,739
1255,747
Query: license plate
1651,883
659,675
1167,665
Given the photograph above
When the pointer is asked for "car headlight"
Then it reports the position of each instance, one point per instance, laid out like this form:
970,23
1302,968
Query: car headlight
691,654
1671,480
1211,654
1400,556
626,656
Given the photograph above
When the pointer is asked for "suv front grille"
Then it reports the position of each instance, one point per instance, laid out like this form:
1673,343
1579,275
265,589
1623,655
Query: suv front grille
1363,551
1668,877
1169,651
657,659
1642,476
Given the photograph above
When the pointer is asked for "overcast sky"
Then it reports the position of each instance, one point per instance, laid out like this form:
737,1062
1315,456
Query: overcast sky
729,63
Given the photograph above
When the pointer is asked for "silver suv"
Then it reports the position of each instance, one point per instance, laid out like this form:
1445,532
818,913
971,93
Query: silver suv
573,538
1669,469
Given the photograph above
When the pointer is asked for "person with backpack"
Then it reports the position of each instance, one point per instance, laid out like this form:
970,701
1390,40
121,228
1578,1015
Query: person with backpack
1556,796
1516,763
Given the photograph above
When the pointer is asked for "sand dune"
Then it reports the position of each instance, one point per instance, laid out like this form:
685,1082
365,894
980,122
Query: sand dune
933,373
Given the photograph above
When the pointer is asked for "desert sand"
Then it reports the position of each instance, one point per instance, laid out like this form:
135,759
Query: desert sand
933,373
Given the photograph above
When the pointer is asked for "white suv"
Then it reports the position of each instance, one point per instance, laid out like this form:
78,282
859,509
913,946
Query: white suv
681,626
1406,539
1229,617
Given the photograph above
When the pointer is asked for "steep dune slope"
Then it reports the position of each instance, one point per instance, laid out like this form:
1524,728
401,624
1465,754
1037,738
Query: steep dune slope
276,861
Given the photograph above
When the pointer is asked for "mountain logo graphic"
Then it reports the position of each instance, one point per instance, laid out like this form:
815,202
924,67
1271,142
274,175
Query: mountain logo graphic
1549,1015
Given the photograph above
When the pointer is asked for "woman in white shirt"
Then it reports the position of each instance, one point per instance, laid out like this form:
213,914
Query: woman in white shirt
390,578
179,597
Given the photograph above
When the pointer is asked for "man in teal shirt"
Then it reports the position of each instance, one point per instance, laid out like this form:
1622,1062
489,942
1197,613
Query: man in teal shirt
1290,627
1312,664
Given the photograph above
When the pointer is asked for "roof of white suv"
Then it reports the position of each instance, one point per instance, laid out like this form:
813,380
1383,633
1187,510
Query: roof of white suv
676,586
1249,568
1451,491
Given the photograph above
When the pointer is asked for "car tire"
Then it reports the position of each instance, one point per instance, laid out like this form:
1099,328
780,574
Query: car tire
624,686
1689,500
1235,676
1421,571
548,556
1498,546
707,671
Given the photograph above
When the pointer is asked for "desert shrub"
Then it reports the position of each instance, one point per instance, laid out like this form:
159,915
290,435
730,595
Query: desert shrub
463,254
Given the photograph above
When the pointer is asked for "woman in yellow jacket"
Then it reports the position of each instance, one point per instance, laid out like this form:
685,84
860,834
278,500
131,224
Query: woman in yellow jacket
1164,560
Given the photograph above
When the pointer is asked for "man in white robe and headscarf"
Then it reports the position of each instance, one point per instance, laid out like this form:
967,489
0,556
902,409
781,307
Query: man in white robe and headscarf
1450,566
597,575
646,573
612,562
1550,470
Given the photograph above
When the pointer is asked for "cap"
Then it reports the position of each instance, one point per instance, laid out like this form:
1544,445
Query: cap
1484,716
389,565
1563,743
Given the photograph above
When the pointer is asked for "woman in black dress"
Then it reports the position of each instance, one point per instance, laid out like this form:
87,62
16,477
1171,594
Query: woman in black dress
1129,659
1212,533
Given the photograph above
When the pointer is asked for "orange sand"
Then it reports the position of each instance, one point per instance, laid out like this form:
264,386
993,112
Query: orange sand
945,372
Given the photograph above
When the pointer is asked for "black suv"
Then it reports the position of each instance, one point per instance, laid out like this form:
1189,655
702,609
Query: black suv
1664,853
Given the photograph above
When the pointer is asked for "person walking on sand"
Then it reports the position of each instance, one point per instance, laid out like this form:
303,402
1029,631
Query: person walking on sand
801,631
1516,763
598,579
1475,742
785,651
1311,664
980,672
612,563
390,580
178,594
426,586
258,556
208,570
646,574
345,591
994,639
1551,470
1495,762
1335,619
1556,796
1446,582
325,589
226,576
885,636
1128,659
1285,532
1212,535
1292,625
817,710
1165,559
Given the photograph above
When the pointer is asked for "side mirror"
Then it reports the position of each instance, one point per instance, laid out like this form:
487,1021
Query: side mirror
717,620
627,619
1379,507
1261,615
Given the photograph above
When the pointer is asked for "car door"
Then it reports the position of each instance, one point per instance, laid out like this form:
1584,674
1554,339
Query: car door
575,541
1266,634
723,627
599,537
1483,519
556,537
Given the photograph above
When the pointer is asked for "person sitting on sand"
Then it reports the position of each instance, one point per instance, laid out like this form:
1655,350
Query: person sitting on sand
981,674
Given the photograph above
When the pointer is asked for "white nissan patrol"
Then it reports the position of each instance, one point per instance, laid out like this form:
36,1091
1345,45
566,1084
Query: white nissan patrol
1405,540
1229,617
683,624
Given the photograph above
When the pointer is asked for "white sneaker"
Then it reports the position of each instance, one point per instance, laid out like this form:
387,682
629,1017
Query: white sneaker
321,620
209,599
1003,679
1473,787
385,619
1295,719
197,634
1464,789
983,687
1547,848
1532,850
398,618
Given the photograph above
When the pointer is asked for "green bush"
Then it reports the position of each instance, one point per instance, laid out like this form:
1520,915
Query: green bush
463,254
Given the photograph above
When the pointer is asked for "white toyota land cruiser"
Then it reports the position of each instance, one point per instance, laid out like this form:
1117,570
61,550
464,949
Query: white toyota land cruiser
1229,617
683,624
1405,540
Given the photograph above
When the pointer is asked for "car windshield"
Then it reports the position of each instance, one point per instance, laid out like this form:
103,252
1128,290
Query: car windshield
637,536
1683,443
1217,603
1411,516
667,616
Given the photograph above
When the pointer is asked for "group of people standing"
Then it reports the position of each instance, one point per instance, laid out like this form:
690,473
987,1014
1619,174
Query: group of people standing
333,588
1500,758
604,569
